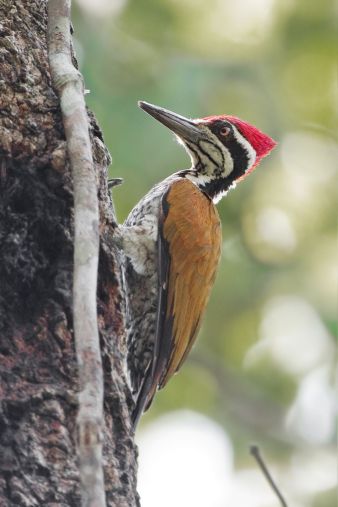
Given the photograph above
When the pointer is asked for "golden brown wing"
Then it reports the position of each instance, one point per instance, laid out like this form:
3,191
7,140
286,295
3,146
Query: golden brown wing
190,236
189,247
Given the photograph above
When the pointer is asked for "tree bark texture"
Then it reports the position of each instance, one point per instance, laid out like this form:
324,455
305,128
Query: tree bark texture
38,369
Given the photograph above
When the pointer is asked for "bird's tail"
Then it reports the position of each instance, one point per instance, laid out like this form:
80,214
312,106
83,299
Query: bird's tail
145,396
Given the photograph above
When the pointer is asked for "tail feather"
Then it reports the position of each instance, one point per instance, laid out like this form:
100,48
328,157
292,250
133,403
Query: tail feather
145,397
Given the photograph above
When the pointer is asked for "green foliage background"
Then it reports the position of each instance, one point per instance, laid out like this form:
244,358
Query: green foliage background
278,226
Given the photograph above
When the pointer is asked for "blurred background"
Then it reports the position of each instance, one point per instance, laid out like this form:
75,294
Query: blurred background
263,368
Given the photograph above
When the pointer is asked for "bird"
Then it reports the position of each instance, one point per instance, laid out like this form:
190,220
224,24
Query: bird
171,242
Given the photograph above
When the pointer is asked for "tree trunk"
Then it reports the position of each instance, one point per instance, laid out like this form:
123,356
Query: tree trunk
38,369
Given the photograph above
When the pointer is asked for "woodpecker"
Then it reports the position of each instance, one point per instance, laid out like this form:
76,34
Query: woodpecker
172,245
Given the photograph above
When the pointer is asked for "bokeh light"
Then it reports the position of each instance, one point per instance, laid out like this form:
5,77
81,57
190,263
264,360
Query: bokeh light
193,462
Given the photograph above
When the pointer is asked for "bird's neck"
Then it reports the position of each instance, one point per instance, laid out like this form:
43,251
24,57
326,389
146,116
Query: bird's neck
214,184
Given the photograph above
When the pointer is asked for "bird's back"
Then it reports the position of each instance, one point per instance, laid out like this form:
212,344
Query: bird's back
167,301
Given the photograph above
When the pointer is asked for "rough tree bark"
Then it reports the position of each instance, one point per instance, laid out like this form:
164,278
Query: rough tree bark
38,369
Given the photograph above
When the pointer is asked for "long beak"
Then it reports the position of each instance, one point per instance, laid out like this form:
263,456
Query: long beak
182,127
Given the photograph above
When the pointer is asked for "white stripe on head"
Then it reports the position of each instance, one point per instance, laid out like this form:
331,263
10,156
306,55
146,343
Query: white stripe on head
251,153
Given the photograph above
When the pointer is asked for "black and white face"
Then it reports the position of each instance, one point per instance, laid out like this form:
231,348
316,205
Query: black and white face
221,153
223,149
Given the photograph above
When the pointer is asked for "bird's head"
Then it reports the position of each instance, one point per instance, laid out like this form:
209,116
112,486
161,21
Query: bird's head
223,149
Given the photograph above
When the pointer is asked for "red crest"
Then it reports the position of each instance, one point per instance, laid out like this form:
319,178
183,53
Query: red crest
260,142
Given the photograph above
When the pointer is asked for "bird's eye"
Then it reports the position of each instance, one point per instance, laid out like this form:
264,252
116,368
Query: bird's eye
225,131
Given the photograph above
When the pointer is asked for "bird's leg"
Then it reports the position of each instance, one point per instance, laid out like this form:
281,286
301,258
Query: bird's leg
138,244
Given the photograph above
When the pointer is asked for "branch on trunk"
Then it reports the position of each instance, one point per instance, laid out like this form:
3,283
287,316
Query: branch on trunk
69,84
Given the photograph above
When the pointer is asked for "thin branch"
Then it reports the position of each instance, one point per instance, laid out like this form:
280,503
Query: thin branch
254,451
69,84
